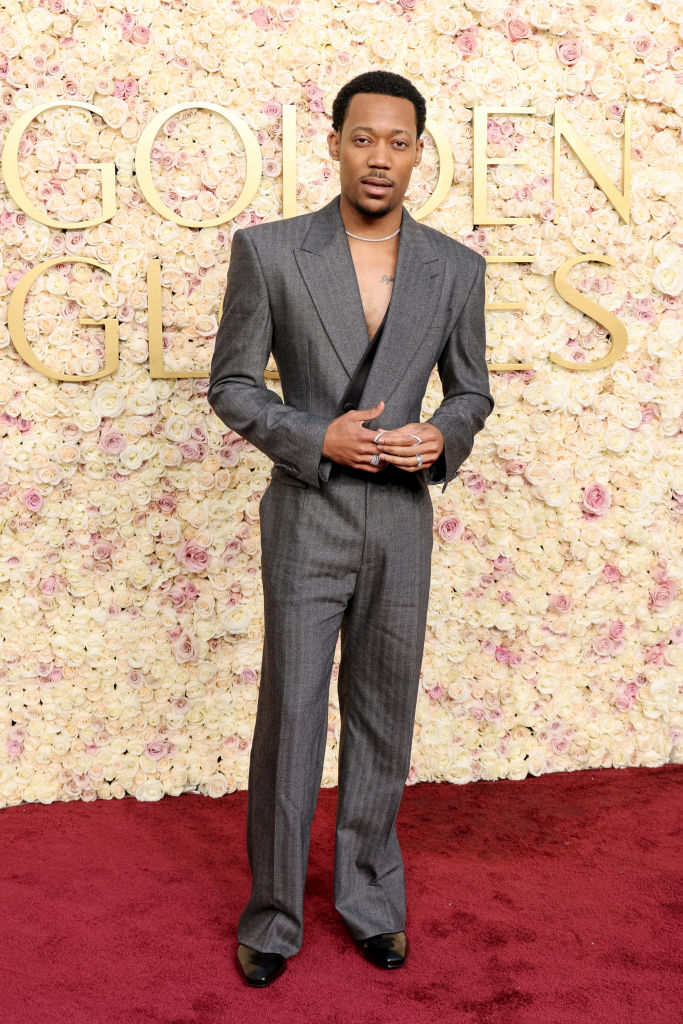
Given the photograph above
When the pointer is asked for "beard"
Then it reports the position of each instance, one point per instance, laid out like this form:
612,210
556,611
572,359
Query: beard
371,212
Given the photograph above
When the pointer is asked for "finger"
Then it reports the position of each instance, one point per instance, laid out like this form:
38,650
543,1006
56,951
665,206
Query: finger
367,414
409,463
401,439
394,445
409,451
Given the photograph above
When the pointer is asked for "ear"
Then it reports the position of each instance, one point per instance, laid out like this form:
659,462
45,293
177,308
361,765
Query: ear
333,144
419,149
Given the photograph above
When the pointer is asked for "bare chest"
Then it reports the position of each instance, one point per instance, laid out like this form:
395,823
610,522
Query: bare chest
375,272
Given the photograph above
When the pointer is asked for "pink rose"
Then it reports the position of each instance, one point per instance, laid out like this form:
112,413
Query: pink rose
32,499
184,648
112,442
474,482
560,602
193,556
450,528
560,744
228,456
102,550
611,573
260,17
272,108
493,132
663,594
192,451
596,500
166,503
569,51
48,586
156,749
312,91
12,279
654,655
140,34
467,42
642,44
617,629
232,548
249,675
517,28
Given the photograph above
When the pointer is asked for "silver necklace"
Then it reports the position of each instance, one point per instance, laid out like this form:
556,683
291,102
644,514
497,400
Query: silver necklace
385,239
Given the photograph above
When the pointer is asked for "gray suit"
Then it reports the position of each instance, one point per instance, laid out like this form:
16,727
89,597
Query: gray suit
341,548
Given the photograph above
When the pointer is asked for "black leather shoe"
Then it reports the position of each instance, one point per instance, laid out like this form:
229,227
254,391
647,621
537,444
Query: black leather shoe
387,950
260,968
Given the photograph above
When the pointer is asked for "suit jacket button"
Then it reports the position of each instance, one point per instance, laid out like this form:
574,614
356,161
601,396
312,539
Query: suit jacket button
348,406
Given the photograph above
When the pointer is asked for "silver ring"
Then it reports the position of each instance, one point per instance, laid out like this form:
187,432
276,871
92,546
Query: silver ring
376,439
374,459
419,459
418,440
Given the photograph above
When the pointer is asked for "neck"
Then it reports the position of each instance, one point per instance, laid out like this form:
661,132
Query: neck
369,226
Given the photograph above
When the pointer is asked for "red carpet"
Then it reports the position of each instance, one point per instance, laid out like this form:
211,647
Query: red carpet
551,900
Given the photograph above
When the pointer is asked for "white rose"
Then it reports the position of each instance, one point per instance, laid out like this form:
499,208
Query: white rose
108,400
668,278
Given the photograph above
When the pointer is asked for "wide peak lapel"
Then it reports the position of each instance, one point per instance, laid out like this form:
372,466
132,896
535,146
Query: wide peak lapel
414,300
326,266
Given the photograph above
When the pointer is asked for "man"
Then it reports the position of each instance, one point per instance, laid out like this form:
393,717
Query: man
347,519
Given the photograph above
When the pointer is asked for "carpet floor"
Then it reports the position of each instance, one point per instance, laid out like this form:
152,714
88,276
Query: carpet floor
551,900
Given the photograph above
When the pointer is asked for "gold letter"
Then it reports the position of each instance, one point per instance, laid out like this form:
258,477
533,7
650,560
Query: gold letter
156,348
621,201
599,313
503,306
480,117
446,167
288,160
10,172
15,320
143,165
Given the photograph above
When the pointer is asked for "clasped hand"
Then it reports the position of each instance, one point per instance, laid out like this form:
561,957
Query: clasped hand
348,442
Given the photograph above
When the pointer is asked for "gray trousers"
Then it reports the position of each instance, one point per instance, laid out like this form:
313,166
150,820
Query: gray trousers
353,555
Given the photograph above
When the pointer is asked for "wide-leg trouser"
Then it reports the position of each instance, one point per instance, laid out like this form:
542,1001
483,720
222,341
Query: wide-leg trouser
353,555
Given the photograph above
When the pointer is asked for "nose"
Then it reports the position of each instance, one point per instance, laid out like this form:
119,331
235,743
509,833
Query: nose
380,155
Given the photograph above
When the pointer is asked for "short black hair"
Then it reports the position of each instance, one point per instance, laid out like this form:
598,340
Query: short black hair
386,82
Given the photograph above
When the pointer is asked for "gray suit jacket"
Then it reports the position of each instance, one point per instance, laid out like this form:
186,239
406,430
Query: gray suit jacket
292,288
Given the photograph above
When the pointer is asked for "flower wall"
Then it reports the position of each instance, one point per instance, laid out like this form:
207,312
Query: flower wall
130,595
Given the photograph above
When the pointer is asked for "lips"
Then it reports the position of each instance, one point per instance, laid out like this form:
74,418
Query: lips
376,186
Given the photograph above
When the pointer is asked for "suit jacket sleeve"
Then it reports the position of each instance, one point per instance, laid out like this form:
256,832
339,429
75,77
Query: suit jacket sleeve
464,377
292,438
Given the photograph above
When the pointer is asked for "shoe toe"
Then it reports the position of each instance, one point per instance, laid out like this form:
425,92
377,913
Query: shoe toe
260,968
388,950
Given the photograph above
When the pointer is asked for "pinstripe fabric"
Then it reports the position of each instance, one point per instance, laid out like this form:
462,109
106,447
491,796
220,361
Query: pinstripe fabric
353,555
341,550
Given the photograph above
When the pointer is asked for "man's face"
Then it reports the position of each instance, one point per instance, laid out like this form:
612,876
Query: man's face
377,143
